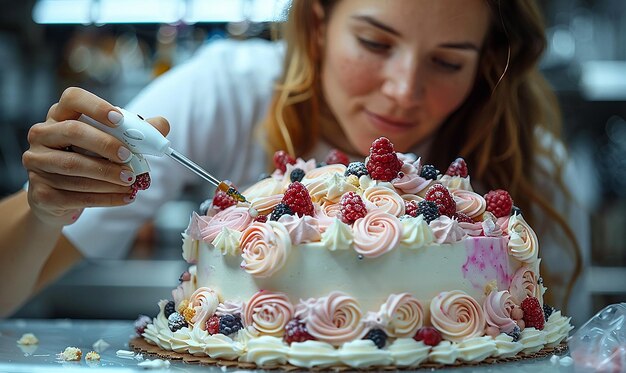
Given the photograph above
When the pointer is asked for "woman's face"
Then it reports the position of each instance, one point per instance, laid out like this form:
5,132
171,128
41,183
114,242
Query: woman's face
399,68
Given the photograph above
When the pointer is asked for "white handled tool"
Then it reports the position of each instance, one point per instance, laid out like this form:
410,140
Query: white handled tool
142,138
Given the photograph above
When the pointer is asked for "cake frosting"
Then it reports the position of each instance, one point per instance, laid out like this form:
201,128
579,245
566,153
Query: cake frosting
314,289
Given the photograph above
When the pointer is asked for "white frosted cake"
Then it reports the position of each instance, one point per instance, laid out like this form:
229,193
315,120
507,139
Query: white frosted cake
375,264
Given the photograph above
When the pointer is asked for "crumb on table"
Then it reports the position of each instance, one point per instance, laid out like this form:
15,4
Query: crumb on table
28,339
92,355
71,354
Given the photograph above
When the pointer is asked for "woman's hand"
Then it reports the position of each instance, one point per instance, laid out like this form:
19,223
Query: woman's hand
63,182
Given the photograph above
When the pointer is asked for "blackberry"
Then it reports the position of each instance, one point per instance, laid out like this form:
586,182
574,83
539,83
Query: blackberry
429,172
357,169
169,308
296,174
429,209
516,333
230,324
280,210
377,336
205,206
176,321
547,311
516,211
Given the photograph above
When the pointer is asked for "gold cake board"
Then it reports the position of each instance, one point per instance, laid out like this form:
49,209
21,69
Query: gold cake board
140,345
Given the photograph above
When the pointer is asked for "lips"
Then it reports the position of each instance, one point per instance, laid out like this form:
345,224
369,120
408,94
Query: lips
389,123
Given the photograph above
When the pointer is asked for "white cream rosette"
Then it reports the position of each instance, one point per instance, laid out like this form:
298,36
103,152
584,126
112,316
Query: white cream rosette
265,248
204,302
404,314
523,243
334,319
268,312
376,234
525,283
265,204
263,188
457,315
385,199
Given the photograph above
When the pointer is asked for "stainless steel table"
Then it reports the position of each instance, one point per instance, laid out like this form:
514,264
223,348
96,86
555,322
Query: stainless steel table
55,335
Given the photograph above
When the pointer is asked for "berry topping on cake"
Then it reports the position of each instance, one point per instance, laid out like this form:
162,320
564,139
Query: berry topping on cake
429,172
410,207
222,200
261,219
336,156
141,323
428,335
282,159
516,333
547,311
296,331
298,199
230,324
383,163
213,325
280,210
176,321
377,336
462,218
357,169
499,203
442,198
533,313
296,175
457,168
170,308
352,207
428,209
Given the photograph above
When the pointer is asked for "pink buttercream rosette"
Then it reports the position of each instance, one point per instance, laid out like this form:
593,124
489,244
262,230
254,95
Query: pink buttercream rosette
268,312
233,217
498,307
376,234
204,301
525,284
335,319
385,199
265,248
457,316
404,315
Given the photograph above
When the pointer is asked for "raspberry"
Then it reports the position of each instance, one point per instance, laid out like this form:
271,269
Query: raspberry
141,323
499,203
213,325
336,156
352,207
533,313
296,174
462,218
296,331
230,324
357,169
428,335
170,308
410,208
516,333
442,198
176,321
383,163
377,336
261,218
428,209
223,200
280,210
429,172
298,199
282,159
457,168
142,182
547,311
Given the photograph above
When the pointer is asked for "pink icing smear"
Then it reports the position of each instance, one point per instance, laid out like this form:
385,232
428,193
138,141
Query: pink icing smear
487,260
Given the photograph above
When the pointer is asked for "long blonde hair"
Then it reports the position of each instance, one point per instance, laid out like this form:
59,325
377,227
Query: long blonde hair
494,130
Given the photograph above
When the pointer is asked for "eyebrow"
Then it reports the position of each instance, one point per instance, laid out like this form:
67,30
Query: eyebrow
374,22
462,45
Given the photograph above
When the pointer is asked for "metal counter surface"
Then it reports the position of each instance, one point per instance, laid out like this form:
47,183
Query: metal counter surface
55,335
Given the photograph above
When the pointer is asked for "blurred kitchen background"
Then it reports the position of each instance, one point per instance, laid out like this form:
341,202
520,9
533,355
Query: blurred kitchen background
115,47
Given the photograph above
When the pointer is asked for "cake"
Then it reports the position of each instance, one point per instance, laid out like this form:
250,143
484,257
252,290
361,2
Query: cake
381,263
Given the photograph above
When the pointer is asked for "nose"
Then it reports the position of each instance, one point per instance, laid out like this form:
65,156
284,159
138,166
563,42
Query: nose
403,81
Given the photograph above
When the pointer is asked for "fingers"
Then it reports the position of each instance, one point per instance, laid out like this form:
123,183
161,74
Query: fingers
76,101
77,184
160,124
57,202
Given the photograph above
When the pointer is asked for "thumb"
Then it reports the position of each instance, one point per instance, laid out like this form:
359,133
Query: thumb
160,124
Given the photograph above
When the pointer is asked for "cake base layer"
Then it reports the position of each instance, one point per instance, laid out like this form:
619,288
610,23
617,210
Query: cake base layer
140,345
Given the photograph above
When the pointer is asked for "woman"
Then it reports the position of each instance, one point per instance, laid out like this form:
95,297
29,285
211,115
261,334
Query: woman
438,78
